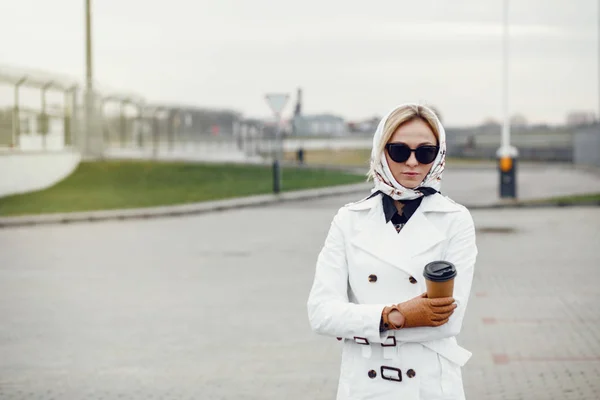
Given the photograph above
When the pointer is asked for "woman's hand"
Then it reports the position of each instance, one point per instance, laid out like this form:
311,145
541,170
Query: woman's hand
422,311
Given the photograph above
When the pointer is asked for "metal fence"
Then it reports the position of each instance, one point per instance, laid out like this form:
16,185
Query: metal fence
123,120
163,130
43,125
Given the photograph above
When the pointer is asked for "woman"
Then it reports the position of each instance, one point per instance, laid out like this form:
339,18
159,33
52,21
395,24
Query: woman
369,289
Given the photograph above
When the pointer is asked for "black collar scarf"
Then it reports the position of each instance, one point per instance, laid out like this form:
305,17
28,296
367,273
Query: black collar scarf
410,206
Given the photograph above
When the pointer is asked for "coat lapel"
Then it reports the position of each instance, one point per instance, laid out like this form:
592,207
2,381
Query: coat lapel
381,240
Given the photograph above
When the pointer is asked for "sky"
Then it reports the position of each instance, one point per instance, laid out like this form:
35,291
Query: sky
357,59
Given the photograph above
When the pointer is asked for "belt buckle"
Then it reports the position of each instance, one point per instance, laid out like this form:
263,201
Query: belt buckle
361,340
391,378
389,344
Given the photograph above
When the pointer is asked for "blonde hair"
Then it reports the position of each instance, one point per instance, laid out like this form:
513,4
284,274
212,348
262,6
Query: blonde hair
399,117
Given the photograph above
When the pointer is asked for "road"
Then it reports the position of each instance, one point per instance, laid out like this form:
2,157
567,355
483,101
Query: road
213,307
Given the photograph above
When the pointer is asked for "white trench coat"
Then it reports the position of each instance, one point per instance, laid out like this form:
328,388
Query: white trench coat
366,265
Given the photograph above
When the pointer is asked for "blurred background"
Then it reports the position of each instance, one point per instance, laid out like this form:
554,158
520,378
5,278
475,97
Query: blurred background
122,110
196,74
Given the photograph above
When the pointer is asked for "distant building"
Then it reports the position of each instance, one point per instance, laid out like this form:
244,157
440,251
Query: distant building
518,121
365,126
578,118
490,126
319,124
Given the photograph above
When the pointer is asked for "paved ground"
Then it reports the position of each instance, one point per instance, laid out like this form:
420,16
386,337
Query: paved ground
480,186
213,307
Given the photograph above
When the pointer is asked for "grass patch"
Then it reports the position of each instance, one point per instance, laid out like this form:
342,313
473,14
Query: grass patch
132,184
570,200
342,157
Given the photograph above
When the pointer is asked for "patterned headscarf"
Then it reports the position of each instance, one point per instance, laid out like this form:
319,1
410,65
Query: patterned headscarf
385,181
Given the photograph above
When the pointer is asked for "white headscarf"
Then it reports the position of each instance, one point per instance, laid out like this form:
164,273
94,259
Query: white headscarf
383,178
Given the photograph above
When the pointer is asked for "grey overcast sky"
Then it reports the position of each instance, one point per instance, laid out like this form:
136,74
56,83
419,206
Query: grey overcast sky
354,58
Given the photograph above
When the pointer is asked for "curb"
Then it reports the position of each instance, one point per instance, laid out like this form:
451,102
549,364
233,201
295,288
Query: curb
183,209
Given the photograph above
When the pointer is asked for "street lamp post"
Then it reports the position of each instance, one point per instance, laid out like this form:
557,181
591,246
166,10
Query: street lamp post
507,154
91,145
88,45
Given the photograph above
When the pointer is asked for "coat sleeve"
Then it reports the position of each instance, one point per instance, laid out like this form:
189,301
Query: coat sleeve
329,310
462,252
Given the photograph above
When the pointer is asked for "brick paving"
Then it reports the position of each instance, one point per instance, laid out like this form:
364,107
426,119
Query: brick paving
213,307
534,319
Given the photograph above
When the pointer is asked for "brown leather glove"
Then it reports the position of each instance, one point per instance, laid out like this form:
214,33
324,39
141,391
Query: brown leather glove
421,311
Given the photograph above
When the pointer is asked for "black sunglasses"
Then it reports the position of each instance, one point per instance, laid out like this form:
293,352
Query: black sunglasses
399,152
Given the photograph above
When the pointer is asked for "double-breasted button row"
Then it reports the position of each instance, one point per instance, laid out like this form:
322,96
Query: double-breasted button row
373,279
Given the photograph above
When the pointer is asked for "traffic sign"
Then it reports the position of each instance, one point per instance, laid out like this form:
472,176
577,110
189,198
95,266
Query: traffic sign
277,101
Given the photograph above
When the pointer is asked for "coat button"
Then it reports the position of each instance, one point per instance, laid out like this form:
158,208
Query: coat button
372,278
372,374
412,280
411,373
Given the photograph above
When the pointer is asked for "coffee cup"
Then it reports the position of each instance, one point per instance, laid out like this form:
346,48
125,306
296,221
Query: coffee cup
439,278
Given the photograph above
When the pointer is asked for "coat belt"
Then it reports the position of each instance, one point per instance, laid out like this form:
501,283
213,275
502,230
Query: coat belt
447,348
